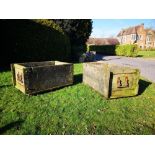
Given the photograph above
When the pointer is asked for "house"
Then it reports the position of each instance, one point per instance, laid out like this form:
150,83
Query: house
144,38
102,41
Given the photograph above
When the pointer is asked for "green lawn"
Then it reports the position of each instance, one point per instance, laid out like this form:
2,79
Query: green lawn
146,54
75,109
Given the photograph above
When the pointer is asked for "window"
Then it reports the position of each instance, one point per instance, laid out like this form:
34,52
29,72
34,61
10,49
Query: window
148,38
133,36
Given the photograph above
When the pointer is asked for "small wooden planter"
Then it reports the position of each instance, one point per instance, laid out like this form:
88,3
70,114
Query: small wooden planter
112,81
35,77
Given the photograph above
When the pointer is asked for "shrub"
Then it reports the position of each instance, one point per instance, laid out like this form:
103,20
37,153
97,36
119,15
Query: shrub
102,49
77,51
78,30
121,50
127,50
33,40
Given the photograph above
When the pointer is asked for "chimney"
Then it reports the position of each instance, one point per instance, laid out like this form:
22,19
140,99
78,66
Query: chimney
142,26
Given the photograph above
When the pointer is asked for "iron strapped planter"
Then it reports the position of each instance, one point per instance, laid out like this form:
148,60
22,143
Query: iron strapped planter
110,80
35,77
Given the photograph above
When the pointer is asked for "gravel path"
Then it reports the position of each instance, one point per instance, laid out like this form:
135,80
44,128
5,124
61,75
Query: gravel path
146,66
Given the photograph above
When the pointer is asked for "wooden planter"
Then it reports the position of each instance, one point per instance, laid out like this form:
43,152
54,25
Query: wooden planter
35,77
112,81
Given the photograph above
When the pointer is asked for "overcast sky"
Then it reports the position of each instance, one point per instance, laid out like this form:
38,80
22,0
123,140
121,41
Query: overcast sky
111,27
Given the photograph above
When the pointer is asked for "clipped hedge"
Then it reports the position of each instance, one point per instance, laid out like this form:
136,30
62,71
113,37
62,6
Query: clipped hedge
127,50
77,51
102,49
33,40
120,50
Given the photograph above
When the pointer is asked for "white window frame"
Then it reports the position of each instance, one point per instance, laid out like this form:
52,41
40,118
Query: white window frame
133,37
148,38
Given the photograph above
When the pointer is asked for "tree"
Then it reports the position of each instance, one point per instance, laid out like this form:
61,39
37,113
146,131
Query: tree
78,30
32,40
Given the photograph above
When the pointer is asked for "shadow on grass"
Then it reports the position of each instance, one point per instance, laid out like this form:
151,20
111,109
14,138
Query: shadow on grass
139,55
77,79
11,125
152,128
4,68
4,86
142,86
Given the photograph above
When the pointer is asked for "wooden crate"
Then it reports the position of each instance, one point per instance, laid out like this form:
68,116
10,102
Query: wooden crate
35,77
112,81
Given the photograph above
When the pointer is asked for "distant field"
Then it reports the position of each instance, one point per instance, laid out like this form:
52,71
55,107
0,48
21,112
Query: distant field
146,54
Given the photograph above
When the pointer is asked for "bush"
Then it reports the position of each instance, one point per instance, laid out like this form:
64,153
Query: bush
102,49
120,50
78,31
127,50
77,51
33,40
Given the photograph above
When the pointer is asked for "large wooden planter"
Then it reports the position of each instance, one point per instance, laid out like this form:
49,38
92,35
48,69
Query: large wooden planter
112,81
35,77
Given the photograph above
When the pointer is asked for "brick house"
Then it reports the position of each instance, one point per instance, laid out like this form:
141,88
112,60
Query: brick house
102,41
144,38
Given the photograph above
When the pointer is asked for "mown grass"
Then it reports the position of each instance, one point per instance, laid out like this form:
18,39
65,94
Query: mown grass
75,109
146,54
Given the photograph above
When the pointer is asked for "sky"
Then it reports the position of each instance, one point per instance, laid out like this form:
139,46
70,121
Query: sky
110,27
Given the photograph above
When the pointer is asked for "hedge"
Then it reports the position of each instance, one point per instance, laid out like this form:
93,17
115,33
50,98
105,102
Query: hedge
33,40
77,51
127,50
102,49
120,50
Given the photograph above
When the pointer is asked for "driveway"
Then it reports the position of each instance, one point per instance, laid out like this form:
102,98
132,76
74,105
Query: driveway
146,66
